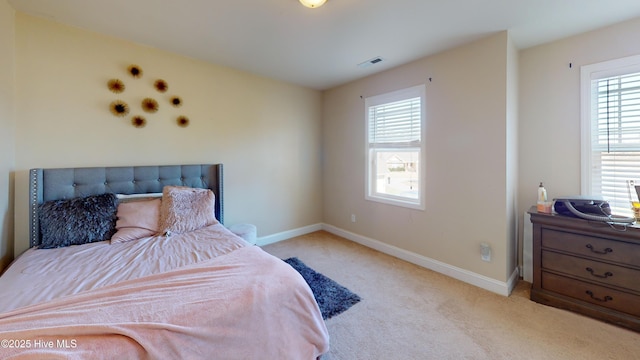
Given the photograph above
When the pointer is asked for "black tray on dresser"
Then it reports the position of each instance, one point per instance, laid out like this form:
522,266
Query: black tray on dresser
587,267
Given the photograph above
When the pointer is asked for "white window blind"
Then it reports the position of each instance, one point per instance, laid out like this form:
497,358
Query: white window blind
396,123
615,138
395,147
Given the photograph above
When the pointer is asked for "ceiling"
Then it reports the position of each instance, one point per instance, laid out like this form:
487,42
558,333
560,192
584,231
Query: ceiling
321,48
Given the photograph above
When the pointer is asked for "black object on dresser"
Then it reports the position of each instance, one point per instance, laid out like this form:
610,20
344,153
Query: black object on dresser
587,267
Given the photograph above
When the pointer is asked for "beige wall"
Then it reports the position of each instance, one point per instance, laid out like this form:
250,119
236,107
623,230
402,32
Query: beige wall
466,159
550,107
481,176
267,133
7,126
512,125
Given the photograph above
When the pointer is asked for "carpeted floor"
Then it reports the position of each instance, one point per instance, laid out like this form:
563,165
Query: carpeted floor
408,312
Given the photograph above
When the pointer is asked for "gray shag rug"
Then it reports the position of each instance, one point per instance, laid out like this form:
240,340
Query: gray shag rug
332,298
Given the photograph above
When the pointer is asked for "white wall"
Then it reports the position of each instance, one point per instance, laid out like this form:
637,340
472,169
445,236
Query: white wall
267,133
467,190
7,126
550,107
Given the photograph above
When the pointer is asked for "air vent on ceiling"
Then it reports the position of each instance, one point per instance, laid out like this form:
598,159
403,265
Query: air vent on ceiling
370,62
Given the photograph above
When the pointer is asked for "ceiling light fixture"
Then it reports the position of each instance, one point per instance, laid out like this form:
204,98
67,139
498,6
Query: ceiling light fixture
313,3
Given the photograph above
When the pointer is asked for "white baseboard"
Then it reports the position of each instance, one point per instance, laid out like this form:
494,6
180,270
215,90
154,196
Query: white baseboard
274,238
481,281
484,282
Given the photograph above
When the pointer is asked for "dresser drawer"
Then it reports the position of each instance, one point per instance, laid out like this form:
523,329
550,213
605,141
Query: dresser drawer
592,270
594,294
592,246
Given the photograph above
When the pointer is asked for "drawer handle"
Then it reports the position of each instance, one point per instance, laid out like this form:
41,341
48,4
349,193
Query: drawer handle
606,275
605,252
606,298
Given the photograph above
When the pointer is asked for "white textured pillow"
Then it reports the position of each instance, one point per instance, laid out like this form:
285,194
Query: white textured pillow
186,209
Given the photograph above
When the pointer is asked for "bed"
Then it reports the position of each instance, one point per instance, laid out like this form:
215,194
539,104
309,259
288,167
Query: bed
163,279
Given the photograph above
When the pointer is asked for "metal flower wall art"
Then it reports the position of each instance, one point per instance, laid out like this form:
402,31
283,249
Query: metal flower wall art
176,101
135,71
116,86
161,85
138,121
119,108
149,105
183,121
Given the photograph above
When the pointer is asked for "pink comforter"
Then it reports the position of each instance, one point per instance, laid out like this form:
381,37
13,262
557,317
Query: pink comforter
245,304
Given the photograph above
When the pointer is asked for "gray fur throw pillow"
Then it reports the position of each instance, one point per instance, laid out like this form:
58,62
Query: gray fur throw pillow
77,221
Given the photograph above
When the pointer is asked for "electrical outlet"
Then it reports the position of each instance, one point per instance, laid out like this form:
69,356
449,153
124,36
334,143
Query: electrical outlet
353,217
485,252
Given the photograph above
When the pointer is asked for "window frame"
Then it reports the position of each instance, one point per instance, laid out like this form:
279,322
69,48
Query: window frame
589,73
371,151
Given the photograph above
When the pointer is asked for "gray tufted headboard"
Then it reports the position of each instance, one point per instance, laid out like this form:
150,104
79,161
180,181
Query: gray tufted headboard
66,183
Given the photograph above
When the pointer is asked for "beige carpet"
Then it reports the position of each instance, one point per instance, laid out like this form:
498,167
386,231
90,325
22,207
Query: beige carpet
408,312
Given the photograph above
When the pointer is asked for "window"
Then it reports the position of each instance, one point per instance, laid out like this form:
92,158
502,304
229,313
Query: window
395,147
611,130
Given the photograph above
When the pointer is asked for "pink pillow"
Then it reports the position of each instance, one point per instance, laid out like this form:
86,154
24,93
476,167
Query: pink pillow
137,219
186,209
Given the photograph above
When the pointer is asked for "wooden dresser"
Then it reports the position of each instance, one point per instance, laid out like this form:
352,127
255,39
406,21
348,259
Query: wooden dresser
587,267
